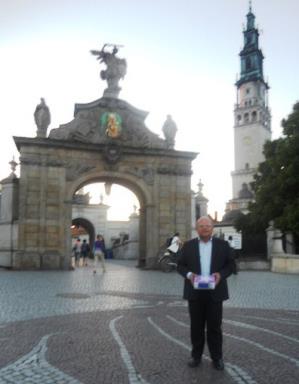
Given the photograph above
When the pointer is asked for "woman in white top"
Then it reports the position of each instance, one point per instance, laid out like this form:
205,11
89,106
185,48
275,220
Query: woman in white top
175,243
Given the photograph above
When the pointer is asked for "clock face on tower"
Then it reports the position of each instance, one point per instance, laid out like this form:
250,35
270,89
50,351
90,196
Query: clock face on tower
247,140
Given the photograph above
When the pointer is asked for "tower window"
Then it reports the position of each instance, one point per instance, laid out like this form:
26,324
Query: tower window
246,118
248,63
247,90
253,116
247,166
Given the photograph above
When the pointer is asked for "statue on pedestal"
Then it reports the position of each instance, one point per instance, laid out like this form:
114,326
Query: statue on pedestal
169,129
42,118
116,69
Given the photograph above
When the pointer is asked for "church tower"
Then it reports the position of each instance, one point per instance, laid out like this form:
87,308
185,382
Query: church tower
252,126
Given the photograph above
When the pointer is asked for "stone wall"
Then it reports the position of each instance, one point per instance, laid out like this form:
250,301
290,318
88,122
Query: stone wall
285,263
9,220
8,243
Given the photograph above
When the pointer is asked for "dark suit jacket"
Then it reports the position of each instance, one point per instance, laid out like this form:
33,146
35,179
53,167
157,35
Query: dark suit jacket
221,261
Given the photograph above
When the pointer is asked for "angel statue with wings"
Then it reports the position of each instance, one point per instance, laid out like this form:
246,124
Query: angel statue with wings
116,68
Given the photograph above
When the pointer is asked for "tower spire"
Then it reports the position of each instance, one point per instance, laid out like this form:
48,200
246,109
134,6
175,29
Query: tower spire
251,55
252,116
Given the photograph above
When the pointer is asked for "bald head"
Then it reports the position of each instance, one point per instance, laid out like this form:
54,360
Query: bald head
204,227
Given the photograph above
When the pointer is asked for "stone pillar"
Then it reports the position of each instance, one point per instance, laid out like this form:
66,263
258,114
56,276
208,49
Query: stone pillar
182,207
8,220
42,223
101,220
270,235
201,202
277,242
67,260
151,237
134,227
193,212
142,238
282,262
290,244
9,199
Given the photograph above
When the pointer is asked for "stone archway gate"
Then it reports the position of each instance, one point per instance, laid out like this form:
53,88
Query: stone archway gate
106,141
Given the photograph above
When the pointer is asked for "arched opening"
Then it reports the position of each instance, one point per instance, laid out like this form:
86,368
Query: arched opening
83,236
115,212
147,248
83,229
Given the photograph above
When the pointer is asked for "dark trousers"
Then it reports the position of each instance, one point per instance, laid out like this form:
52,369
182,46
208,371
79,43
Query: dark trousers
206,313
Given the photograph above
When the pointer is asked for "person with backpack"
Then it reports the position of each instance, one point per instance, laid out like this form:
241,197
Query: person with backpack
85,249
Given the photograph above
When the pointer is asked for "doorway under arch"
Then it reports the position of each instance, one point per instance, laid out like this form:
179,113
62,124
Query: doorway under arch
80,222
138,188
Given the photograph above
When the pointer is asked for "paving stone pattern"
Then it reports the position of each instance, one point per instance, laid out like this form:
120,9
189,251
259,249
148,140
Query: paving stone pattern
131,326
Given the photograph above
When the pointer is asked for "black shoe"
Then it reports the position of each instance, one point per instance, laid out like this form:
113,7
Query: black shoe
218,364
193,363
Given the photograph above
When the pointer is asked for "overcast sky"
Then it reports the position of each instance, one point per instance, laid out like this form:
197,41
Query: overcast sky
182,60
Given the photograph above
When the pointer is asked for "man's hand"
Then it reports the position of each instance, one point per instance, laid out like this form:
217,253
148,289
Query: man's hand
191,277
217,277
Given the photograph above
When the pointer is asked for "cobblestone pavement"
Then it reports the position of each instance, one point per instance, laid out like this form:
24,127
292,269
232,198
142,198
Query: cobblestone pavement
131,326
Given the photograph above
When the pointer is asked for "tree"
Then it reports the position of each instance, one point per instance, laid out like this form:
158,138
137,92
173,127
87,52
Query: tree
276,184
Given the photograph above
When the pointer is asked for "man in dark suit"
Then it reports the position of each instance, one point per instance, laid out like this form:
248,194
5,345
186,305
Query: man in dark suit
206,256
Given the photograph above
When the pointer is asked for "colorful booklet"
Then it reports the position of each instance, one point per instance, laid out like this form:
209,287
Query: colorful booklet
204,282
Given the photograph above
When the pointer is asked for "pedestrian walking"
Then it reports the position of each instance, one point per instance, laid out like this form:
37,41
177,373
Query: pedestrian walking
205,263
77,251
231,243
99,253
85,249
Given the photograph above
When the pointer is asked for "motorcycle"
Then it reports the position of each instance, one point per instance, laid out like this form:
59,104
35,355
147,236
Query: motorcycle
168,261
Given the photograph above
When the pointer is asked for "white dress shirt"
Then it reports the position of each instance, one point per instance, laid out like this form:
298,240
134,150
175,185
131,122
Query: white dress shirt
205,254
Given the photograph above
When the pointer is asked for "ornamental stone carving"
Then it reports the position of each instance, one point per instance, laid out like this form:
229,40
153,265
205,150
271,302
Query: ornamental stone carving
147,174
108,121
74,170
174,170
112,153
